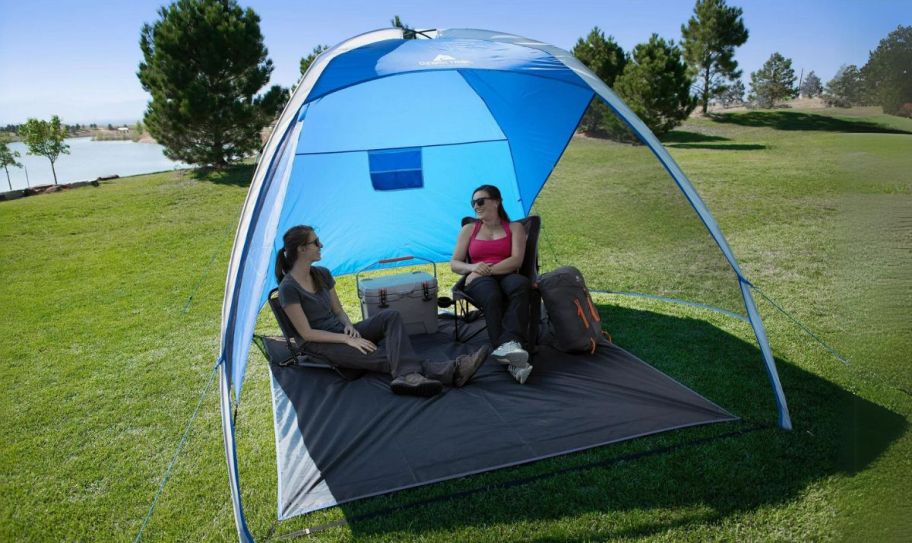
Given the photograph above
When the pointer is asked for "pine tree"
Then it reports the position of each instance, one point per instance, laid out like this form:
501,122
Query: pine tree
656,85
846,89
774,81
888,73
811,86
733,94
710,38
606,59
308,60
203,63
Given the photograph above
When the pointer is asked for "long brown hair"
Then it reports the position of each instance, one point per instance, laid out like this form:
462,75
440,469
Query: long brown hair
288,254
494,192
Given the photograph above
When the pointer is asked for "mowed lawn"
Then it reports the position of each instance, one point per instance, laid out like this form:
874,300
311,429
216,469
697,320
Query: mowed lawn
111,301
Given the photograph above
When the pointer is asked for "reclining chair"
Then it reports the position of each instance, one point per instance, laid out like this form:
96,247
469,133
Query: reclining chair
299,357
529,268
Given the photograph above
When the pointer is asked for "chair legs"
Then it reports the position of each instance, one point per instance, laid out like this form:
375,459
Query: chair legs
464,305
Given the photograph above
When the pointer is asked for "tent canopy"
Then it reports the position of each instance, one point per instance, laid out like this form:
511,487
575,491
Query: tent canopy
381,145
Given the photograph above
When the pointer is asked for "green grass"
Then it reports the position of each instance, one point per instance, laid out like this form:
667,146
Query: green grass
112,297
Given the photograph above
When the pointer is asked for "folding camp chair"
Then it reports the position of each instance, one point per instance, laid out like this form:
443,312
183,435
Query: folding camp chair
529,268
299,357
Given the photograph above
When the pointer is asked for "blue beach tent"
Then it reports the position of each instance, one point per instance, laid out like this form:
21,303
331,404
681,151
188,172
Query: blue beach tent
380,138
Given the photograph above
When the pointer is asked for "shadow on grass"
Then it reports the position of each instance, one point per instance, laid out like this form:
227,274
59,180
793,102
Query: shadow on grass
718,146
793,120
238,175
834,432
683,136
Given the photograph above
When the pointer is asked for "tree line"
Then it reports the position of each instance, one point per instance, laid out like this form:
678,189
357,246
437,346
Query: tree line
663,81
205,67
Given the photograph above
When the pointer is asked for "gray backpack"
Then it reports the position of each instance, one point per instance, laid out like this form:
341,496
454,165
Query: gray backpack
574,322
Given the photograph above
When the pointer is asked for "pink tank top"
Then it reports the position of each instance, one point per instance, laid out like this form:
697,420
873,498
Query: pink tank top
491,251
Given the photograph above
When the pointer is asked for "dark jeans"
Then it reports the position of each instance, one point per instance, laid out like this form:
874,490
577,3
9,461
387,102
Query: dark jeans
505,302
394,354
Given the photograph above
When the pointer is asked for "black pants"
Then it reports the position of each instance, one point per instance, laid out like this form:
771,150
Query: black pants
394,354
505,301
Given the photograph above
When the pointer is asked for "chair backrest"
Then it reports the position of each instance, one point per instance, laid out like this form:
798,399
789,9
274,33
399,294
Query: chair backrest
532,224
288,329
295,343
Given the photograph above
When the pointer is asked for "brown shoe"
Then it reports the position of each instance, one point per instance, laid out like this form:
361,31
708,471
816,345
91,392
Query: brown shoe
468,364
415,384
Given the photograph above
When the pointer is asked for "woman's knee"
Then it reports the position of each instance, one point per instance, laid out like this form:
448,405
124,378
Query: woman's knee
485,291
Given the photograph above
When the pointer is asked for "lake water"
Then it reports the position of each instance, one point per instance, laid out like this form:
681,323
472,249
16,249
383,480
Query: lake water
87,160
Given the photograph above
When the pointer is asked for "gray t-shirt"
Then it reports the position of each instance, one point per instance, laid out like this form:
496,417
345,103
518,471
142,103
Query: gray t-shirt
317,306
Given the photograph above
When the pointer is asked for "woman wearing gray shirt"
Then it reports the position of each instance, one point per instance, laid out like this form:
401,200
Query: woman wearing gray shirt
308,296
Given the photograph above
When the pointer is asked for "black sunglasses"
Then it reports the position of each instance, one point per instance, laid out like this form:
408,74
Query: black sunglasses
314,242
481,201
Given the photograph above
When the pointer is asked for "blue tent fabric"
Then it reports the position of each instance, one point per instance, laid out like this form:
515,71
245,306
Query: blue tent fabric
477,106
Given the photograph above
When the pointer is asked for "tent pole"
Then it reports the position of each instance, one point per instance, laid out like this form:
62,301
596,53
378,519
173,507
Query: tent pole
785,420
231,455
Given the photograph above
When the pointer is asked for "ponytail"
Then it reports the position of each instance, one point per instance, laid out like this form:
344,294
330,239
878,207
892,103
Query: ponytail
281,266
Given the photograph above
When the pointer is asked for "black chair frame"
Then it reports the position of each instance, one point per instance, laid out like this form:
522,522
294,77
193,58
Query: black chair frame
299,357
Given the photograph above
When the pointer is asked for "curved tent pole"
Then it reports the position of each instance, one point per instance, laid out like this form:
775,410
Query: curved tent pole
646,135
705,215
248,218
231,455
709,221
231,374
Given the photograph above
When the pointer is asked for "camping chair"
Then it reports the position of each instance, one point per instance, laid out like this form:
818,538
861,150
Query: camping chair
529,268
300,358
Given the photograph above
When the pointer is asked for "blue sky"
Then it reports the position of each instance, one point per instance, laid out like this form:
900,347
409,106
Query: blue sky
79,58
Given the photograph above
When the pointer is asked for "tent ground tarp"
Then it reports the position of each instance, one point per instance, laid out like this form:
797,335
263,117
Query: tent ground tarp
338,440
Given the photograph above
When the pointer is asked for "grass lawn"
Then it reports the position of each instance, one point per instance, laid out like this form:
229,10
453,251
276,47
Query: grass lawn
112,298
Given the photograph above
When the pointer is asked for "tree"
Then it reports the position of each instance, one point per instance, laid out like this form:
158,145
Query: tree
407,31
733,94
774,81
846,88
710,38
272,102
811,86
656,85
203,63
8,158
888,73
45,139
308,60
606,59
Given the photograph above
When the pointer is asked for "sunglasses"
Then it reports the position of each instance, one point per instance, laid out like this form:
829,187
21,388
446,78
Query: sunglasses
480,201
314,242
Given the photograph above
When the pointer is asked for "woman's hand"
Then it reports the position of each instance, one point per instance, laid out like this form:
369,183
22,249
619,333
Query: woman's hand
363,345
482,268
350,331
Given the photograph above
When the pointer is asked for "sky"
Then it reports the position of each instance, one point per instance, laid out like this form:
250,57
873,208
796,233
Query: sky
78,58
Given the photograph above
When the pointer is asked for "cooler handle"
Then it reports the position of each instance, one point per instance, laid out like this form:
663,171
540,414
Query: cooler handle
391,260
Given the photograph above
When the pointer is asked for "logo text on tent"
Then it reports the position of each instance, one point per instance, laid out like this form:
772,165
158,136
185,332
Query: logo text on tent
444,60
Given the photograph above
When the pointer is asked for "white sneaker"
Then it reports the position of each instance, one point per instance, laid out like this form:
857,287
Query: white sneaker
520,374
513,354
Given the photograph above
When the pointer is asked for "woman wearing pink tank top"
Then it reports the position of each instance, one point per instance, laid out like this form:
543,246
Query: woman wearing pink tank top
489,252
